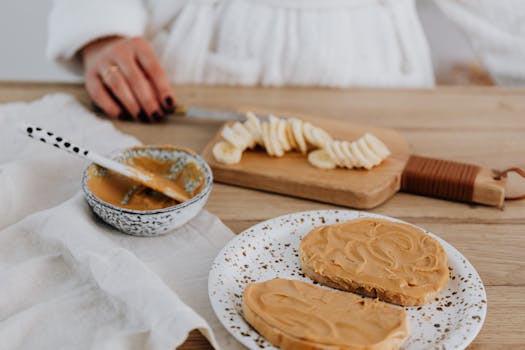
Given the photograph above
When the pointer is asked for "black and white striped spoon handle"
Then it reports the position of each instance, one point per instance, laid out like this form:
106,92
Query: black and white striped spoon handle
50,138
59,142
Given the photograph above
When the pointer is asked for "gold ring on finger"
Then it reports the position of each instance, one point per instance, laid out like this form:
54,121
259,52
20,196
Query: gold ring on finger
108,72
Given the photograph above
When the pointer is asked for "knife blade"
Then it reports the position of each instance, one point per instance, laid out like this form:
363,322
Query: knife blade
208,114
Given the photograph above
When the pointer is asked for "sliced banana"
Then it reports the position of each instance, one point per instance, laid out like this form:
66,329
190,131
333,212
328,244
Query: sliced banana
290,136
274,136
281,133
335,155
340,153
245,134
331,153
321,136
226,153
253,124
232,137
297,128
377,146
367,152
362,161
321,159
315,136
348,153
266,139
308,132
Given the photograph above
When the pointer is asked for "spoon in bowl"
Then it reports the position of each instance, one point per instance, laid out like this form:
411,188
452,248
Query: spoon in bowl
140,175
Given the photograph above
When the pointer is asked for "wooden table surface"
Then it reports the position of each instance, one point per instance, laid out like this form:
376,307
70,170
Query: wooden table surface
479,125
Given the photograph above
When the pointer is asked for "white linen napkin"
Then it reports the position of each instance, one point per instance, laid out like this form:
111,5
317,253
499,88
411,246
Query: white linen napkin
69,281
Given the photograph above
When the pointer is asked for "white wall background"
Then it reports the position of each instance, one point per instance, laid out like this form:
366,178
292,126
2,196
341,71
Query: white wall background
23,36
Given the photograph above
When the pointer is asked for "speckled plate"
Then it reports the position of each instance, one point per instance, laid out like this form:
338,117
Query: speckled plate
270,249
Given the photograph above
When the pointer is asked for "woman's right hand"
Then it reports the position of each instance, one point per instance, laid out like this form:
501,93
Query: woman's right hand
124,78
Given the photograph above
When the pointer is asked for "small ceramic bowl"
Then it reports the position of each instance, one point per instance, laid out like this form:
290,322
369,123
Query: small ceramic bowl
158,221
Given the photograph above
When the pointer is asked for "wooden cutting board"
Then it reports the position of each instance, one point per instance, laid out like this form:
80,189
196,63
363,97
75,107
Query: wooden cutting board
293,175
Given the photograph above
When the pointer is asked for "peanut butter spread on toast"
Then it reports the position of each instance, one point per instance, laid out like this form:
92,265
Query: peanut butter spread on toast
312,317
395,262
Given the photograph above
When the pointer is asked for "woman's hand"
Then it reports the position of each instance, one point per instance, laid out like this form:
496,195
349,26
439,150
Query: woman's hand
125,79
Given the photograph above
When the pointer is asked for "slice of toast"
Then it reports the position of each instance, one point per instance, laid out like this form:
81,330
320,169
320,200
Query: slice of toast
301,316
394,262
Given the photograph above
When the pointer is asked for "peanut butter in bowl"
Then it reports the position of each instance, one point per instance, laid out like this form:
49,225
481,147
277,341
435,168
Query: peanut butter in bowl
136,209
123,192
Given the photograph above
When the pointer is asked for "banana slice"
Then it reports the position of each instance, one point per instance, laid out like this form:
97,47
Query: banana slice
348,154
281,133
226,153
377,146
274,136
315,136
233,137
297,128
321,136
253,124
308,132
331,153
266,139
367,152
290,137
244,134
340,153
362,161
341,159
321,159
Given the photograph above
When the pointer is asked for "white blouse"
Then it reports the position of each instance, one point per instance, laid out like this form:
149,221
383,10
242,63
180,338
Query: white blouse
334,43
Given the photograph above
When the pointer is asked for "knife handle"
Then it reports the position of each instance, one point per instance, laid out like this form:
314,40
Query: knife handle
453,181
180,110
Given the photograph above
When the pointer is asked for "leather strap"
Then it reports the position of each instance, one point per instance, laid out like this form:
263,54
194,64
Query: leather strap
504,173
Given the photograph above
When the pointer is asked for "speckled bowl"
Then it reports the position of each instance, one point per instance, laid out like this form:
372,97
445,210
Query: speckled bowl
159,221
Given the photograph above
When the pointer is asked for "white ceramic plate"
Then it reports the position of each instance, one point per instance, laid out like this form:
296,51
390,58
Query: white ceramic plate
270,249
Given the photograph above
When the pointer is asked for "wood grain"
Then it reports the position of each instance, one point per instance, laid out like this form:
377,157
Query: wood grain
477,125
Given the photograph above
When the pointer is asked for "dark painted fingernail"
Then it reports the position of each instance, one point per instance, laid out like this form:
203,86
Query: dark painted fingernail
169,102
168,110
97,109
124,116
157,116
143,117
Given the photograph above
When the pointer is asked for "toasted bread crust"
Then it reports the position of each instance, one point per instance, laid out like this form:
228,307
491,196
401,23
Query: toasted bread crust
354,287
